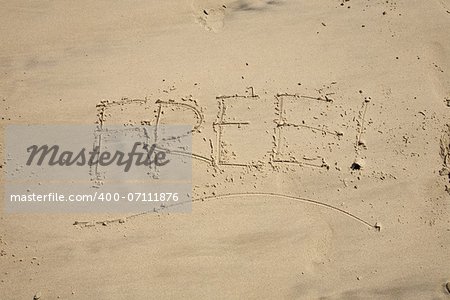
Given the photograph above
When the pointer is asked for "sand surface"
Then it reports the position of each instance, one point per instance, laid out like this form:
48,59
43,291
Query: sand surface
309,87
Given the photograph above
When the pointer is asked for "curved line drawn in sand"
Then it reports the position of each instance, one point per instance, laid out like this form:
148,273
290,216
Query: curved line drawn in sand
224,121
211,14
193,155
210,18
233,195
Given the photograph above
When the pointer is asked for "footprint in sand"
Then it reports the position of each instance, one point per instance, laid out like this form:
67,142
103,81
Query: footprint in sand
209,14
255,5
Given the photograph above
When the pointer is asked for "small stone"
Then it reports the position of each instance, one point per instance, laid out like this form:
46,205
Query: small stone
357,165
447,286
37,296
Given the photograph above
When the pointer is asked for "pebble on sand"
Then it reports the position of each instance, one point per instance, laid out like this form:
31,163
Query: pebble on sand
358,164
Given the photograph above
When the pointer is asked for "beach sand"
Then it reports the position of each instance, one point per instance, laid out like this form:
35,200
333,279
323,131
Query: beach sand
332,184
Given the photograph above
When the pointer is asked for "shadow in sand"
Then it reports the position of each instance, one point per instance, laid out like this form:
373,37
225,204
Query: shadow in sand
256,5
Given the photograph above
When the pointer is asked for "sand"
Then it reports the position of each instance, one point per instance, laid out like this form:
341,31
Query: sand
321,147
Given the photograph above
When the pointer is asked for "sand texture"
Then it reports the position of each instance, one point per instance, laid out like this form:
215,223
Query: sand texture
321,146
